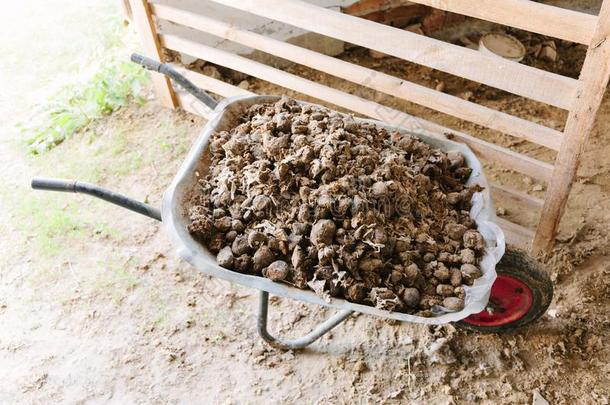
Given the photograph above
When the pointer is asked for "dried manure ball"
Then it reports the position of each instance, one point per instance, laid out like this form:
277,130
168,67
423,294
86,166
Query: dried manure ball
225,258
453,303
467,256
357,292
455,231
455,277
473,240
262,258
223,224
323,232
444,290
256,239
470,273
243,263
411,297
260,203
276,271
240,245
442,272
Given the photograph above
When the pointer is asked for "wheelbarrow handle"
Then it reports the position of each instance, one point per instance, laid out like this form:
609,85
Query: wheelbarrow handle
73,186
173,74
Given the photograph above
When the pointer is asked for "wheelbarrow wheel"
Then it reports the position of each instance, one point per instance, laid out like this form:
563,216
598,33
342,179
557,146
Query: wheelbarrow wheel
520,295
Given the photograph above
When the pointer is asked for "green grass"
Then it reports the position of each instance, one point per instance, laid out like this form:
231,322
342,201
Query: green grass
103,230
114,278
128,163
75,107
49,223
115,83
163,144
158,304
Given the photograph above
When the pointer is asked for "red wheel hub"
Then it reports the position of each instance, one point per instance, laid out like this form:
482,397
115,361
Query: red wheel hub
510,300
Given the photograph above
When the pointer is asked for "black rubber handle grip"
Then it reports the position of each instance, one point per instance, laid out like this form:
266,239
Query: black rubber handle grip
145,61
42,183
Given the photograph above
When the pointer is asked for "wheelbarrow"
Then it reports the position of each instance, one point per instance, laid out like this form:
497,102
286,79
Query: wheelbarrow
513,291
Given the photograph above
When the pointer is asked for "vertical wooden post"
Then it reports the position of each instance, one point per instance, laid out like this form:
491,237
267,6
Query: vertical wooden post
593,81
127,14
145,24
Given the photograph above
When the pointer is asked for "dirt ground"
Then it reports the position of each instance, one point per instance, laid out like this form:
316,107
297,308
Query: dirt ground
95,307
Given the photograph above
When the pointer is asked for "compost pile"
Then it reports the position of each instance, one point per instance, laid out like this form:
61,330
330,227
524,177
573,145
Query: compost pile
307,196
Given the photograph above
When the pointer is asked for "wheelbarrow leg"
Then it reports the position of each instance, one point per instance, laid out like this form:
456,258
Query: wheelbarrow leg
299,343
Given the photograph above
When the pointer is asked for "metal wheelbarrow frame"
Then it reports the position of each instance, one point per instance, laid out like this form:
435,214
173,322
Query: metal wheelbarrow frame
175,220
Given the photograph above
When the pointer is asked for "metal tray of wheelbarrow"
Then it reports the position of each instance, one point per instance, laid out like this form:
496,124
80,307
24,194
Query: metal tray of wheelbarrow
174,211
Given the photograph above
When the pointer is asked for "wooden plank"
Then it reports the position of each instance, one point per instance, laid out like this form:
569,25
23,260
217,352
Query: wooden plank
518,198
524,164
189,103
525,14
515,234
379,81
496,72
593,81
145,26
126,9
213,85
194,106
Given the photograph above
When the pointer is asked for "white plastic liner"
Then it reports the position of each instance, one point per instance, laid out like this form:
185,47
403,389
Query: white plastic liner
174,211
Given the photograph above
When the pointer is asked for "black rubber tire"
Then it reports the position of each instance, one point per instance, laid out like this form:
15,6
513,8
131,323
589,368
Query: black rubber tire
518,264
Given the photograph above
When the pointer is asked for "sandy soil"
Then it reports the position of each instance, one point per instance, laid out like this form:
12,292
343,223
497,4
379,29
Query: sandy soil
95,307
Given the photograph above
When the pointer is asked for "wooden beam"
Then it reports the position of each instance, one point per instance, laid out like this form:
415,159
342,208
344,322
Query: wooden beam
522,200
592,86
127,14
190,104
145,25
515,234
524,164
379,81
525,14
473,65
213,85
194,106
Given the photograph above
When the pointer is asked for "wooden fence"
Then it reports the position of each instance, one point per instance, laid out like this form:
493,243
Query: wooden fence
581,98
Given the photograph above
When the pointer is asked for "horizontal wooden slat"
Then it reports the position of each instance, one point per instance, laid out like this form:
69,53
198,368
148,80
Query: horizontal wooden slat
516,197
524,164
525,14
189,103
515,234
497,72
388,84
213,85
